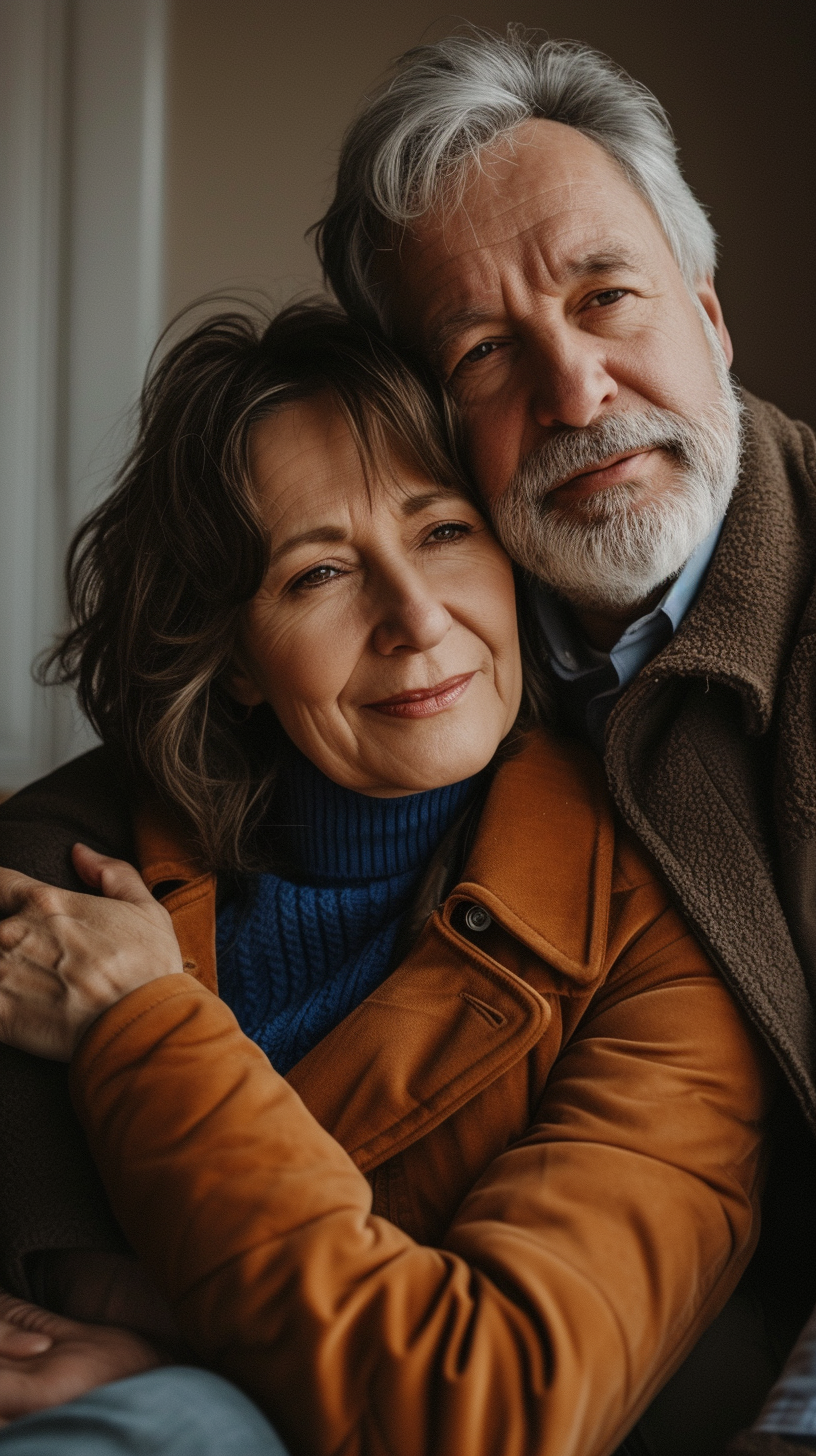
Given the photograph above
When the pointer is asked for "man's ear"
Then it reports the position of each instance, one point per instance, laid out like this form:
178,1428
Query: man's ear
707,295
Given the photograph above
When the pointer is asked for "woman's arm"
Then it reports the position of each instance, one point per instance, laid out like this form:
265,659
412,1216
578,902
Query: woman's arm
575,1276
577,1271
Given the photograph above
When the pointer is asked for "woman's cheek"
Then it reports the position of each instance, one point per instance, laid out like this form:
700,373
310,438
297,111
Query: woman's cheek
489,600
501,635
307,663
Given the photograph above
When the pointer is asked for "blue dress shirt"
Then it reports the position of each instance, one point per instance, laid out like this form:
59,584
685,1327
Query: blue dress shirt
591,681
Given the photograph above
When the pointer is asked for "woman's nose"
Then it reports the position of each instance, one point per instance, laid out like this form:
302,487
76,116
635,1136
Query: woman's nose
411,617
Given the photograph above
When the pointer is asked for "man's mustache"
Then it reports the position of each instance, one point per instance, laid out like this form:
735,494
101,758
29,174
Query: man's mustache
581,448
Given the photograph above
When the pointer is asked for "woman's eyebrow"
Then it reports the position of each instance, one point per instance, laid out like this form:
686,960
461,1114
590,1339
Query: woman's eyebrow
413,504
315,536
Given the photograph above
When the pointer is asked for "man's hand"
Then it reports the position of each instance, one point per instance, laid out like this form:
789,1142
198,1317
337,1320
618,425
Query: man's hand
65,958
46,1359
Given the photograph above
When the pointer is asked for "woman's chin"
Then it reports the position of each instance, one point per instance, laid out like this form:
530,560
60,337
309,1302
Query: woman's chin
384,756
428,760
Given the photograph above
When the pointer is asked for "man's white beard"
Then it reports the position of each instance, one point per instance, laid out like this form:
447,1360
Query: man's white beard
611,551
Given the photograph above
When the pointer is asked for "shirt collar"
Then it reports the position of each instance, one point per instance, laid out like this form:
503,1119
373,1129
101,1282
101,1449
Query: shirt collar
684,588
573,657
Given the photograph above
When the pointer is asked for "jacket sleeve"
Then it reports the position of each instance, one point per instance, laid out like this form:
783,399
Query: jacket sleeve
577,1271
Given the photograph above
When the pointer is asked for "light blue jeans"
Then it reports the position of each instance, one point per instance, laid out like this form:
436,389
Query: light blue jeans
183,1411
175,1411
790,1409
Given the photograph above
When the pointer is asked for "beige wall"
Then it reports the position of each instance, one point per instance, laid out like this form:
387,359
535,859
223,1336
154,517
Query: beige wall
260,91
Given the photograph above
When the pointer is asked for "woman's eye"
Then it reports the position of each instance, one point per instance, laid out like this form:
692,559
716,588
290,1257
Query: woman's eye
316,577
448,531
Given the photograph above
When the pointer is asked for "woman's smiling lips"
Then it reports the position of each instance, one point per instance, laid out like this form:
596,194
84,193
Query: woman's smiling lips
424,702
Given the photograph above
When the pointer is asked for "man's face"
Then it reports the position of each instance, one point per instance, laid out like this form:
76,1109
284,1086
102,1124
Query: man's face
549,301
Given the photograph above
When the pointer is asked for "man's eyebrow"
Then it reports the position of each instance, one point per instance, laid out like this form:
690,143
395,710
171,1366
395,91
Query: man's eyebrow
315,536
603,262
454,324
587,266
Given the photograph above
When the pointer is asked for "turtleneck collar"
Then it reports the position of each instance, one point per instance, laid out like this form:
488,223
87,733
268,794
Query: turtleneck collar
337,834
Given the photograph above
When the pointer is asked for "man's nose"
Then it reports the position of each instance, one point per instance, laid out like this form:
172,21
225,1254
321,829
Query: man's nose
570,382
411,617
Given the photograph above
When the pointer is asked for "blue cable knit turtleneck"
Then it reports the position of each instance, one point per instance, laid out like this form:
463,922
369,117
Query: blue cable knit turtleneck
296,956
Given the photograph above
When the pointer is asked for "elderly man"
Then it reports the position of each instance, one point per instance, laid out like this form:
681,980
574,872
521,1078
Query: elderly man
514,213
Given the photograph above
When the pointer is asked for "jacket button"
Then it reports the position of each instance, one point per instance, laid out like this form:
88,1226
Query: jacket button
478,919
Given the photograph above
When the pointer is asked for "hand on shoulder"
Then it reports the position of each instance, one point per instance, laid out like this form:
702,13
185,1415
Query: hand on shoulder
66,957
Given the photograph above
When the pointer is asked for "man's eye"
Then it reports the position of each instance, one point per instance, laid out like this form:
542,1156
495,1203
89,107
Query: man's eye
609,295
316,577
479,352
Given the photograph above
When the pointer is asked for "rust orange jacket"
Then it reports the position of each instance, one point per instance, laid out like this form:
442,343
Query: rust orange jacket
491,1211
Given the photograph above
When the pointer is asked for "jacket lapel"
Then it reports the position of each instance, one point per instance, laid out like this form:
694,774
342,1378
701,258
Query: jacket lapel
442,1027
541,862
451,1019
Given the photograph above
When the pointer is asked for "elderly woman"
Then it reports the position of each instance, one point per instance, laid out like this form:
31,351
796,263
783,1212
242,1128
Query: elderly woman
424,1111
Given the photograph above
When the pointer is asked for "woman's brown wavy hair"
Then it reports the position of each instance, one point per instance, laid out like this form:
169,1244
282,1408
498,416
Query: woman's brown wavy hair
158,574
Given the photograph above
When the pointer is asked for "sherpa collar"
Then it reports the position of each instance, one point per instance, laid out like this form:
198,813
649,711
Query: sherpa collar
739,632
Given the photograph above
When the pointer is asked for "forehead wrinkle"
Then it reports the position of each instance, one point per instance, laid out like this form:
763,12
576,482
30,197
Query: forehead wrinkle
539,203
585,265
316,536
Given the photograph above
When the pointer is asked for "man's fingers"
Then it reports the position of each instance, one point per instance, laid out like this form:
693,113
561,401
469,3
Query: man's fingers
18,1344
65,957
12,932
117,879
27,1329
15,890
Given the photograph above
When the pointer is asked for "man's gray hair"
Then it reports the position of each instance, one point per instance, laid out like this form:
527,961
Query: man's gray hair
411,147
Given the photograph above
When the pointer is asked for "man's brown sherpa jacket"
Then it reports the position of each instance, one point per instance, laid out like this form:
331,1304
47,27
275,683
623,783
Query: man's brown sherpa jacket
711,755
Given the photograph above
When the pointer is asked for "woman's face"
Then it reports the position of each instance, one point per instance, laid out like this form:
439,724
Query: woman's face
384,635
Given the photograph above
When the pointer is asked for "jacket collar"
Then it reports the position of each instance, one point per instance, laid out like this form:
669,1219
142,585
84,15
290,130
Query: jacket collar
739,631
164,849
548,798
172,872
450,1018
541,861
